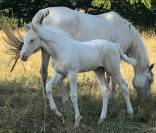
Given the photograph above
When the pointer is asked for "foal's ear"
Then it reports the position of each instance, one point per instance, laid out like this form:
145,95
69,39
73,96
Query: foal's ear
151,67
33,27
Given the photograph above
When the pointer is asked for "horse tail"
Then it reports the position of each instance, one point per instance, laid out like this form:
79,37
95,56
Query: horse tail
125,57
39,16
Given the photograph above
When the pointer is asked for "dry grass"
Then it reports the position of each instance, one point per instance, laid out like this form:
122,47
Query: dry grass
22,106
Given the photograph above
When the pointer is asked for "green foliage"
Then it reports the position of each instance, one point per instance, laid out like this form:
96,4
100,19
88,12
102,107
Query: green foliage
11,21
105,4
147,3
137,11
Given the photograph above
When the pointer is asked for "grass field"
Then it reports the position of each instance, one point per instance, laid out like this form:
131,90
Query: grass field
23,110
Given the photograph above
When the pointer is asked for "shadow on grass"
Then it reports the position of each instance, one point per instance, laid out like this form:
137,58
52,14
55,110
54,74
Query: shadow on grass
23,110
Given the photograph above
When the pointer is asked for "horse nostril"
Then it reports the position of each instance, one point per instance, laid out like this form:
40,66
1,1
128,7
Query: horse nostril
23,57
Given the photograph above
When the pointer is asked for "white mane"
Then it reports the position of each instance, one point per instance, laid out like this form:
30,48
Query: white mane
137,43
141,54
41,14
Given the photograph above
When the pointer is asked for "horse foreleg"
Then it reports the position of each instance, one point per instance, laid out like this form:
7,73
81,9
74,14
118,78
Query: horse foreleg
44,68
44,73
53,81
123,86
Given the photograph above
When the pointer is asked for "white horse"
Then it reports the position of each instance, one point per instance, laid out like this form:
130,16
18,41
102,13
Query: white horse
109,26
71,57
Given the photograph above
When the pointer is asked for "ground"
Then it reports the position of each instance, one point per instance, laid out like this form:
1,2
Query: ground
23,109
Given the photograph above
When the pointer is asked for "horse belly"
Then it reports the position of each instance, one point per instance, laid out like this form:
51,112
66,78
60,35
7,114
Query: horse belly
89,62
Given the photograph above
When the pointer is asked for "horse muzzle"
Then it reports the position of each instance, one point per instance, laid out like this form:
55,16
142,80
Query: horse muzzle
23,57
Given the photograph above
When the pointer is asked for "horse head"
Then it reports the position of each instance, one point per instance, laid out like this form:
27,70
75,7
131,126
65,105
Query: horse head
31,44
142,82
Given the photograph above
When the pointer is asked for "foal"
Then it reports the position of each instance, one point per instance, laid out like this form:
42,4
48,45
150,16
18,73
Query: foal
71,57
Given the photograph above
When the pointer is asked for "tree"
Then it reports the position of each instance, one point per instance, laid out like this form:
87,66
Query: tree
106,4
138,11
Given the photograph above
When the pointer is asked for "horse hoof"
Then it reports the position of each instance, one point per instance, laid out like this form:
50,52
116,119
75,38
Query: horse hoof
100,121
58,114
76,125
130,116
77,122
62,119
130,111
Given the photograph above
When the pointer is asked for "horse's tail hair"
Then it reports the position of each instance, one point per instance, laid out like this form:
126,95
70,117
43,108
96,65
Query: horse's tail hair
39,16
125,57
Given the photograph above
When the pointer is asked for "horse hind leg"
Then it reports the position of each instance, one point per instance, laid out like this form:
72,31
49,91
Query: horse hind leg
114,87
105,93
65,97
73,95
113,83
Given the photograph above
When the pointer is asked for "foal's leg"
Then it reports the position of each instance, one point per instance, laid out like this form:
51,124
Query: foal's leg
73,96
105,93
44,73
123,86
43,68
53,81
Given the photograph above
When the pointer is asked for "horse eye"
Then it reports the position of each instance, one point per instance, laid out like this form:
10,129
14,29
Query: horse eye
31,40
151,80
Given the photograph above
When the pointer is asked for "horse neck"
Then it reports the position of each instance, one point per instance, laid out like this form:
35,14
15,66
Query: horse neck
54,43
50,49
138,52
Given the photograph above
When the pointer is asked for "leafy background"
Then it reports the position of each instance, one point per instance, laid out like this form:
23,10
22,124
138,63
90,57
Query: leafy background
140,12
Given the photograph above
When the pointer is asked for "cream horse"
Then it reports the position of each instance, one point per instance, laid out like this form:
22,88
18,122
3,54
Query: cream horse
71,57
109,26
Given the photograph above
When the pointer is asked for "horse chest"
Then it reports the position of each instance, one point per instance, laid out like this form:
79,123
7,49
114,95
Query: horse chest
63,66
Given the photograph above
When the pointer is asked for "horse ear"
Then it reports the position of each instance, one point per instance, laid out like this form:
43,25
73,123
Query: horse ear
151,67
28,27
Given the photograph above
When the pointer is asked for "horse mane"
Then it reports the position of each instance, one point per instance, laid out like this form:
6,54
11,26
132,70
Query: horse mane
141,53
137,44
39,16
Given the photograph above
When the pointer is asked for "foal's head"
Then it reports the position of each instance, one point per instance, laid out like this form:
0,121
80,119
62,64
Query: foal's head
32,43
